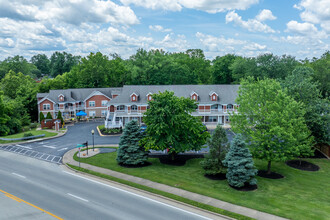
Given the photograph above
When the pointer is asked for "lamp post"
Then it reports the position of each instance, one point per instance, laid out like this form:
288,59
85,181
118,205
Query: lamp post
93,138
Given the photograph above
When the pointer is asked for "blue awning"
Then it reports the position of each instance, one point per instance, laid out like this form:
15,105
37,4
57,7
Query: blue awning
81,113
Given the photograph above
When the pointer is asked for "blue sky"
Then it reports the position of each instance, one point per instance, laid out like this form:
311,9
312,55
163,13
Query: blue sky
244,27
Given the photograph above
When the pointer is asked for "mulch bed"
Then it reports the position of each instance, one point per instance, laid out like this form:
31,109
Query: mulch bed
179,160
272,175
302,165
219,176
136,166
246,187
111,133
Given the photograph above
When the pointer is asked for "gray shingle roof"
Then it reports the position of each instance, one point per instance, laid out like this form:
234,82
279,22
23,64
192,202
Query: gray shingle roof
227,93
73,95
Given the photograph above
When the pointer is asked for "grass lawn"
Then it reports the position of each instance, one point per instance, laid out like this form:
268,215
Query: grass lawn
300,195
34,132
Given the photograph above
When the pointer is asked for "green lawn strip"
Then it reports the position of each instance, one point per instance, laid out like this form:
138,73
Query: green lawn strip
165,194
20,135
300,195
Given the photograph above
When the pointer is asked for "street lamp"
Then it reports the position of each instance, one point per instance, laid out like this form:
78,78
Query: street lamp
93,138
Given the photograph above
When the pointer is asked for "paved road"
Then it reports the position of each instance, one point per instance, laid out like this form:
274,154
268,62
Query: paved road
49,187
52,150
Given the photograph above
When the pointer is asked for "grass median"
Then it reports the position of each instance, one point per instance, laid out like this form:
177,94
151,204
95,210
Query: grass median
300,195
21,134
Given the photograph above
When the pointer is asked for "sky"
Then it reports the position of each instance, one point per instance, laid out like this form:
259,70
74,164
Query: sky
248,28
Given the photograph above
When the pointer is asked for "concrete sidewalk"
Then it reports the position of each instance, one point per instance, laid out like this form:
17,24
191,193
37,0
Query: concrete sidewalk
68,159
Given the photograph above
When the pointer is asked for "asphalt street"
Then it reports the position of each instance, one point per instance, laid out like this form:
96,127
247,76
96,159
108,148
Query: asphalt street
53,150
45,190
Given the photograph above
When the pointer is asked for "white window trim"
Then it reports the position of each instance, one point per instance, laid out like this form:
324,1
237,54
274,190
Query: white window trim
43,106
104,103
92,113
89,103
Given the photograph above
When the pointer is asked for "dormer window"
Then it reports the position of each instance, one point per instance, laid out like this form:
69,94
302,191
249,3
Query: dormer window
134,97
194,96
149,98
214,96
61,98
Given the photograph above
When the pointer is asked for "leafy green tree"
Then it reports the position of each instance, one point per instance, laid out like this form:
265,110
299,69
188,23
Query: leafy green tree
170,125
42,63
59,116
221,73
304,89
263,66
241,169
49,116
130,152
62,62
41,116
212,164
4,118
271,121
321,68
16,64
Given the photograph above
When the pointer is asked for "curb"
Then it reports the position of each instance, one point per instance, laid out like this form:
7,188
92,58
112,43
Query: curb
137,189
37,140
102,135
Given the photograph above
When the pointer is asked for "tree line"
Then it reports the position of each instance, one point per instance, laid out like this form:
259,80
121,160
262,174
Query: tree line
21,79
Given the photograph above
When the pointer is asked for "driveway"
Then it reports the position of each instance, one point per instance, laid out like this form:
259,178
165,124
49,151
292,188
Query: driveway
53,150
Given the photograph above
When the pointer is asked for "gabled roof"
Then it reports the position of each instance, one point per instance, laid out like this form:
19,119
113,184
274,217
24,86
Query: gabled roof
78,95
192,93
45,98
212,92
96,92
228,93
134,93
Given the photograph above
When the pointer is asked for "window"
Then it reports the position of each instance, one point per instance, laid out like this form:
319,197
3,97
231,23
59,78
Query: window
214,107
92,113
104,102
133,98
46,106
227,119
104,112
212,119
230,107
91,103
134,108
149,97
121,108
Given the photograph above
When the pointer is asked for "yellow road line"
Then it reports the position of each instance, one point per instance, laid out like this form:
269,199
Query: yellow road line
21,200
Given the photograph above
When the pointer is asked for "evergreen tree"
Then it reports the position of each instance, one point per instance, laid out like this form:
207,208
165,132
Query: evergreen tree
41,116
49,116
130,152
240,165
59,116
212,164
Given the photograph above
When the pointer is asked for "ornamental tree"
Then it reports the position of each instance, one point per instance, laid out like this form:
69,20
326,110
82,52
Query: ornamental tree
49,116
170,125
130,152
271,121
212,164
59,116
240,164
41,116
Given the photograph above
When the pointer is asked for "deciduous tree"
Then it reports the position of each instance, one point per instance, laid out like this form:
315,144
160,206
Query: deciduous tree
272,122
170,126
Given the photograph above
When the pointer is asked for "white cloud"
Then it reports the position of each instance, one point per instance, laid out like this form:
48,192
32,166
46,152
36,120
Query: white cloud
170,42
74,12
7,42
159,28
316,12
210,6
301,28
253,25
215,45
265,15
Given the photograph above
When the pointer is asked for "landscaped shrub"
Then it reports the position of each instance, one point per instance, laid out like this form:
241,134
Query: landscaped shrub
28,134
130,152
33,125
59,116
212,164
240,164
49,116
26,128
41,116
